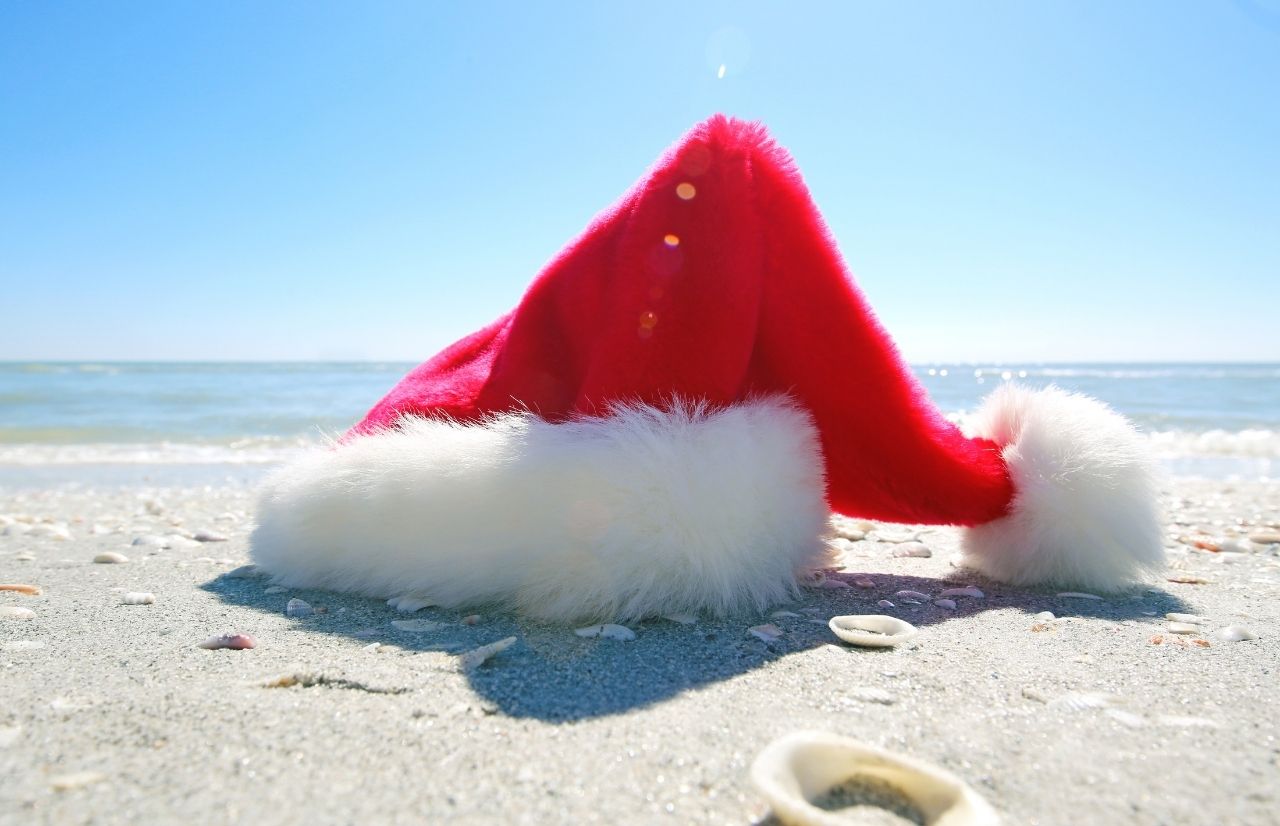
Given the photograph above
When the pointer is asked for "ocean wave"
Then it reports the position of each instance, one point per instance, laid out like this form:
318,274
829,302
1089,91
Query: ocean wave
1023,371
241,452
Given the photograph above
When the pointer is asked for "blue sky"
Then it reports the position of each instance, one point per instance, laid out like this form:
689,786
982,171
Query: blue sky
1008,181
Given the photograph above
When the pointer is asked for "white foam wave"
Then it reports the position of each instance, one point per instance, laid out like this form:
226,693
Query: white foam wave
243,452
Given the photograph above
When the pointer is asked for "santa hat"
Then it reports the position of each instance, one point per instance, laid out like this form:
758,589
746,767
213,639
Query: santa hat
666,419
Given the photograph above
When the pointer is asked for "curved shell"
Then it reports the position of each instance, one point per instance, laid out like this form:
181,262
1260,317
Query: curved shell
796,768
872,630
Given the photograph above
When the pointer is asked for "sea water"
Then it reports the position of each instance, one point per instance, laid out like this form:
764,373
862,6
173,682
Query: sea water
1216,420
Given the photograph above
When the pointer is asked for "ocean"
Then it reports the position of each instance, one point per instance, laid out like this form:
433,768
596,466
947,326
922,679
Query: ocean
59,419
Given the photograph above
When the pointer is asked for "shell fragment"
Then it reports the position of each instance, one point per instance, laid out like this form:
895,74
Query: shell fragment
872,630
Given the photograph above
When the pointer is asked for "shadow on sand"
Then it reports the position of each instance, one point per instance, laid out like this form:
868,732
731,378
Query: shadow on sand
552,674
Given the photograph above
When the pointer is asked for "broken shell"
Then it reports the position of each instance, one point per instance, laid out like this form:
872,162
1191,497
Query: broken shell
29,590
236,642
1236,633
765,633
1182,628
608,630
298,608
884,603
1191,618
872,630
1078,595
416,626
409,605
110,558
966,591
798,768
949,604
477,657
11,612
138,598
912,549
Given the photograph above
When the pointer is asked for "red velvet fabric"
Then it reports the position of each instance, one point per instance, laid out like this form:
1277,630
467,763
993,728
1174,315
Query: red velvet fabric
715,278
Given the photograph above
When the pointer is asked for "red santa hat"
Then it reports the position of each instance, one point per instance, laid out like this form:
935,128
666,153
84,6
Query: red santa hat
665,421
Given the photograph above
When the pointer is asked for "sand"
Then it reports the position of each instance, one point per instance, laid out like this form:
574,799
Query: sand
111,713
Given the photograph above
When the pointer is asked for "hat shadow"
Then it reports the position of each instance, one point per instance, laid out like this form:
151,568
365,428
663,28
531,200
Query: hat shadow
552,674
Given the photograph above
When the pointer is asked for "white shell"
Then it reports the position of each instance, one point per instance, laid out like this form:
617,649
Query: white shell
912,549
138,598
617,632
1078,595
298,608
477,657
1191,618
949,604
1045,616
766,633
884,603
872,630
110,558
1236,633
12,612
408,605
794,769
1182,628
966,591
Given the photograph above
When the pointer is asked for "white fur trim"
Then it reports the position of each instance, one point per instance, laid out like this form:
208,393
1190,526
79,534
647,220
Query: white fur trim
640,513
1084,510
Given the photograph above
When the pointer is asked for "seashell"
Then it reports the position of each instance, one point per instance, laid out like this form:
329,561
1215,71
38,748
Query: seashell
274,589
872,630
138,598
871,694
617,632
236,642
25,557
373,647
884,603
12,612
209,536
416,626
1078,595
1045,616
949,604
1188,579
912,549
912,597
1235,546
683,619
478,656
298,608
782,614
246,572
29,590
966,591
864,582
1182,628
1191,618
408,604
798,768
75,780
765,633
1265,538
110,558
848,532
1236,633
58,531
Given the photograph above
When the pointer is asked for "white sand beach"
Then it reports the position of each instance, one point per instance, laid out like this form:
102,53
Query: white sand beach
114,714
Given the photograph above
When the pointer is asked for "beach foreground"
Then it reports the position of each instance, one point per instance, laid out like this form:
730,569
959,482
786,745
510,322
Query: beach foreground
112,713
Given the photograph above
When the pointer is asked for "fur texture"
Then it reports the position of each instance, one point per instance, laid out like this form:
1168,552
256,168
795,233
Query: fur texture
642,512
1084,512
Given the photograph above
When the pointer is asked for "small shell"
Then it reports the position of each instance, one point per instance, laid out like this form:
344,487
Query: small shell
864,582
884,603
298,608
799,767
416,626
1265,538
1078,595
138,598
872,630
766,633
236,642
912,597
12,612
617,632
1190,618
1182,628
409,604
110,558
1045,616
478,656
1236,633
966,591
29,590
683,619
912,549
949,604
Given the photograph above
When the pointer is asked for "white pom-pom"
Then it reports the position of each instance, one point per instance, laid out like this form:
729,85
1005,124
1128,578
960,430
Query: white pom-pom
1084,509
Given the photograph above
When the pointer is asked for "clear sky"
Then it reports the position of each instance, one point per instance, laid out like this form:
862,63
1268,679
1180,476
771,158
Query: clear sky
271,180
